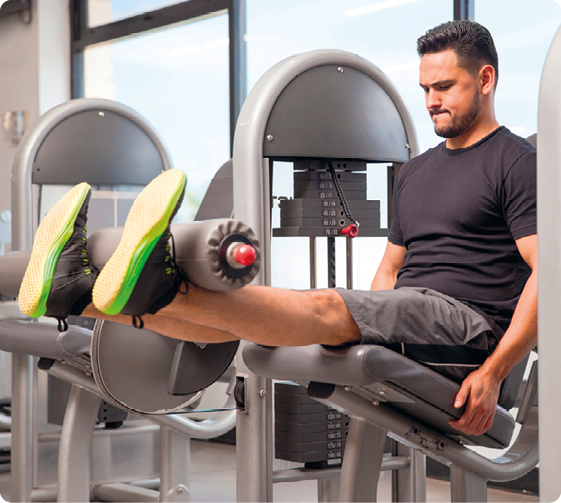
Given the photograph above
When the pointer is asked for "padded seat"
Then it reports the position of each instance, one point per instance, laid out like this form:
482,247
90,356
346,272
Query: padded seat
381,375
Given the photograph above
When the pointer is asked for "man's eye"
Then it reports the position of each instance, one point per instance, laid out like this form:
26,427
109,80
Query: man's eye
444,88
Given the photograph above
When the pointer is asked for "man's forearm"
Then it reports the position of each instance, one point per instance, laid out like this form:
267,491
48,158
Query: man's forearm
522,334
383,281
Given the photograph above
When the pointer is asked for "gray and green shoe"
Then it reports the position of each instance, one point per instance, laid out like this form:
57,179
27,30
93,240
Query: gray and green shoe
59,278
141,276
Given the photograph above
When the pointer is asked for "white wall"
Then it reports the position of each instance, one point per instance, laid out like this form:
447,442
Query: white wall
34,72
34,76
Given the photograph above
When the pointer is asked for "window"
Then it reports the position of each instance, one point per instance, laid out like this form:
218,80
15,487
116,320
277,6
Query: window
523,32
106,11
384,33
181,66
178,80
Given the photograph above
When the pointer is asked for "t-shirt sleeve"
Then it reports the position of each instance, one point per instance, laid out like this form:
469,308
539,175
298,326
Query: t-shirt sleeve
395,236
519,196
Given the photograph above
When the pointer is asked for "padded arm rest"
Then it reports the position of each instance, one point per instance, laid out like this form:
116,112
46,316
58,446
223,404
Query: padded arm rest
44,340
379,374
310,363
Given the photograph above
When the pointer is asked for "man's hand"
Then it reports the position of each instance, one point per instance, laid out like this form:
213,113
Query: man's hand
481,388
481,391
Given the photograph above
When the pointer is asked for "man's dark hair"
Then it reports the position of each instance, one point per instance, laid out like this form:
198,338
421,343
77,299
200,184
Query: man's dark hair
472,43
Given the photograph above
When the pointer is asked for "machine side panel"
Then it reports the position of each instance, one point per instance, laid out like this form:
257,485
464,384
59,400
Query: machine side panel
121,154
326,112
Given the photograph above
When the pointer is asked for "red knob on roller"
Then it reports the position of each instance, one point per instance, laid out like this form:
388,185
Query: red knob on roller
245,255
351,231
240,255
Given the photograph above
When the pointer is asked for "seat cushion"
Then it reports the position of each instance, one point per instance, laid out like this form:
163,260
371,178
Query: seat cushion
380,374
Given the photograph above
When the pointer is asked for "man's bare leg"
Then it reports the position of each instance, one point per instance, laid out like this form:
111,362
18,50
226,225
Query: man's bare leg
167,326
269,316
265,315
134,283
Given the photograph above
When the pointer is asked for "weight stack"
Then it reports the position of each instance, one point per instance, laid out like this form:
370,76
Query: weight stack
316,209
307,431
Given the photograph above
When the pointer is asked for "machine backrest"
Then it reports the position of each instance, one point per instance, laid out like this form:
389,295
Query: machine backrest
101,142
99,145
218,201
313,117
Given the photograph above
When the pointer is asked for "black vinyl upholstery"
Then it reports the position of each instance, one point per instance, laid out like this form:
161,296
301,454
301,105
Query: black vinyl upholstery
381,374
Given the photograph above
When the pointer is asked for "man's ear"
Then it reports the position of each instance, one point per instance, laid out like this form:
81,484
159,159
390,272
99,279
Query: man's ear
487,79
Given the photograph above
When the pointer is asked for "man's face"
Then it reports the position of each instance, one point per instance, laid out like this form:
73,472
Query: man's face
451,94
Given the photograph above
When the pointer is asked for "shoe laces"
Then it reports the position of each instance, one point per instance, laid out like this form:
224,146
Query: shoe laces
85,258
178,269
62,324
137,321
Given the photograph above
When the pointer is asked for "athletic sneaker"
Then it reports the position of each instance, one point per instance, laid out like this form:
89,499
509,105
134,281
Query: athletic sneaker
141,277
59,278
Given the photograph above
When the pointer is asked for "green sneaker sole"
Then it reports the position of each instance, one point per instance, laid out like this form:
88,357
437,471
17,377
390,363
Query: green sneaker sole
147,220
52,235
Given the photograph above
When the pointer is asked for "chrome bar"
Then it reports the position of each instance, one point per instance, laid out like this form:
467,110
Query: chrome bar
74,450
43,495
389,462
175,457
313,271
516,462
410,483
124,492
349,263
363,461
466,486
216,425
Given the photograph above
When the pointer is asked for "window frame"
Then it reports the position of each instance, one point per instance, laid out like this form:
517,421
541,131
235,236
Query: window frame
83,36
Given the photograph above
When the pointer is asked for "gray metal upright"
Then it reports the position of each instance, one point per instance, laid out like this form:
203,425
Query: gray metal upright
175,458
363,460
74,450
23,369
549,278
252,205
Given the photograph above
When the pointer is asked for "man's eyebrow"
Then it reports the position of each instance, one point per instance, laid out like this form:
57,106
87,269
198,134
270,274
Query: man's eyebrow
437,83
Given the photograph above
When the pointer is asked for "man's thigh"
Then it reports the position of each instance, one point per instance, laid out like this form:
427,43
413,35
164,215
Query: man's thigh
423,324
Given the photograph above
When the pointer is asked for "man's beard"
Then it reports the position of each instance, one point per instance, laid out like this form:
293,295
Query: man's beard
460,123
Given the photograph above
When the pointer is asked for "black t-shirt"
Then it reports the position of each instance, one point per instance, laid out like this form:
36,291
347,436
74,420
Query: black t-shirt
458,214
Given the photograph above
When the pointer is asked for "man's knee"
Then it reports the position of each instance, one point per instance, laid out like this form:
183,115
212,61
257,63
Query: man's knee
332,311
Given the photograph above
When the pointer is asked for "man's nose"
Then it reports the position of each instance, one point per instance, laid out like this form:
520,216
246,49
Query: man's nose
432,99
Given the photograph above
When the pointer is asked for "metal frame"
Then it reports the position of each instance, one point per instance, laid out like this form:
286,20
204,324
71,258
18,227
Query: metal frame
549,283
254,451
83,36
464,10
23,366
82,409
251,205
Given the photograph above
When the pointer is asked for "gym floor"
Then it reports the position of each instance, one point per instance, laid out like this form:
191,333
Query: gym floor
213,478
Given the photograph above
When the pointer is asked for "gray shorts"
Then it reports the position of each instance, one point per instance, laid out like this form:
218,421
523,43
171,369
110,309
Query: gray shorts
424,325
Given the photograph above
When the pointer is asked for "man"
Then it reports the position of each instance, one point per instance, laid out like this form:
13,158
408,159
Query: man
460,265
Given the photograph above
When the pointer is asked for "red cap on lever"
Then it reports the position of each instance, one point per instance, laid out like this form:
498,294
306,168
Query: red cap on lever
245,255
351,231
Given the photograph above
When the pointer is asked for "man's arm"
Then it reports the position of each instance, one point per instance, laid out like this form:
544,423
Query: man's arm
481,387
392,261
